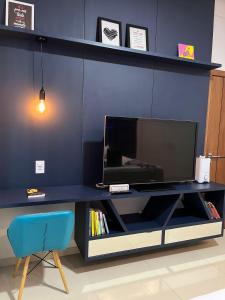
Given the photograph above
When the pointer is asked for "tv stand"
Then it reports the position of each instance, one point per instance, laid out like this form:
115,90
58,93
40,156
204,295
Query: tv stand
172,216
153,187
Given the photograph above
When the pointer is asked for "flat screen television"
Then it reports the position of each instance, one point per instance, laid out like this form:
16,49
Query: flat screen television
146,151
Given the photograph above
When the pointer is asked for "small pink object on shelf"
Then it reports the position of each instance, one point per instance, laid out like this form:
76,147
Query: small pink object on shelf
186,51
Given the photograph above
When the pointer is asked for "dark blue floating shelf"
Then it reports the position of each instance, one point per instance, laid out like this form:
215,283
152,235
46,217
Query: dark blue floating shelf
95,47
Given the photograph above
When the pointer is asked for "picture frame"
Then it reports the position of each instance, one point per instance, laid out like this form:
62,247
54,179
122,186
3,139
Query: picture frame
137,37
109,32
19,14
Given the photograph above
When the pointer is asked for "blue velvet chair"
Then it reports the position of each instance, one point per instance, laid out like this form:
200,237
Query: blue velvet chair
42,232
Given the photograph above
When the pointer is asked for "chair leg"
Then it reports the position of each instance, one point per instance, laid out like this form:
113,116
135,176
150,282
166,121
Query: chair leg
22,284
59,266
17,267
55,259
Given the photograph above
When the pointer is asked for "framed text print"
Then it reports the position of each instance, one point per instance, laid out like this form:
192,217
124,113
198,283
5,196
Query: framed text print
19,14
137,37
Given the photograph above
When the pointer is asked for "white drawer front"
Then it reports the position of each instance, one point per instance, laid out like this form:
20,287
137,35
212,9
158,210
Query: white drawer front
124,243
192,232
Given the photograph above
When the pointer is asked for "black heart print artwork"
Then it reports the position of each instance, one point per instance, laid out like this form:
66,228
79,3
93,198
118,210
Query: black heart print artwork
111,34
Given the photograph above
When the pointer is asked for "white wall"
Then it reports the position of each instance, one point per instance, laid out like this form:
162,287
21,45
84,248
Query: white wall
218,50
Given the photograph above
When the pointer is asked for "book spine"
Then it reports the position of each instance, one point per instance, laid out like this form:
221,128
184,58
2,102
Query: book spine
102,223
213,210
36,196
106,225
92,223
207,209
99,223
89,222
96,223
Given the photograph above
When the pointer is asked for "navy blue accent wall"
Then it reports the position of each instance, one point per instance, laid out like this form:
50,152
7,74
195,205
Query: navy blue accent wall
81,91
182,93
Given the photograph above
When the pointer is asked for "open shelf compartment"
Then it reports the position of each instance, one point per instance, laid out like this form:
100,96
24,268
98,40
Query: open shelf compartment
114,221
189,210
217,199
154,215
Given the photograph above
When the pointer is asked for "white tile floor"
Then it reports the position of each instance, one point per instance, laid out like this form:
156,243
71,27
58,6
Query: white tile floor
180,273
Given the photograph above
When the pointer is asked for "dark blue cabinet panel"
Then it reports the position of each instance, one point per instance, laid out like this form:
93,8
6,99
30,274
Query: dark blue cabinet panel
60,17
188,22
111,89
25,135
182,96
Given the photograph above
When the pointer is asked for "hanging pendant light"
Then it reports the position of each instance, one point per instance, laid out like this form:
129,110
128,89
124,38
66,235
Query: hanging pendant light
42,105
42,101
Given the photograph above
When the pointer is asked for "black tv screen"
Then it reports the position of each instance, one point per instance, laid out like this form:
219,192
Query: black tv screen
138,150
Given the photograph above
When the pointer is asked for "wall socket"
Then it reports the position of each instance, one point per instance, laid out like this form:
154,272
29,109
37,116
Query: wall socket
39,167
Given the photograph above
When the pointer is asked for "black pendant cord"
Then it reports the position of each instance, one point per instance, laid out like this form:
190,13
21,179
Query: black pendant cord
42,67
42,90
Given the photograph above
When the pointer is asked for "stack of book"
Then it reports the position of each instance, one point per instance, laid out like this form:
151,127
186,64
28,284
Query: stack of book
213,212
97,223
35,193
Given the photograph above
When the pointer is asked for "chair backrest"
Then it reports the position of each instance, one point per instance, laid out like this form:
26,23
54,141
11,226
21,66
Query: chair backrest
40,232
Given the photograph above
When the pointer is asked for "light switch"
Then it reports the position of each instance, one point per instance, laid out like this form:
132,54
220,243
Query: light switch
39,166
